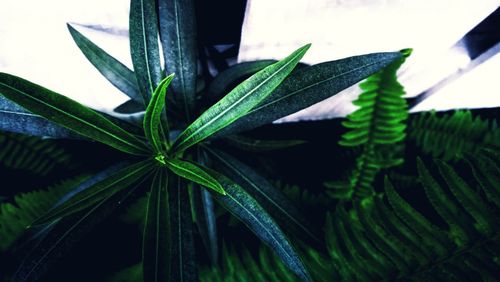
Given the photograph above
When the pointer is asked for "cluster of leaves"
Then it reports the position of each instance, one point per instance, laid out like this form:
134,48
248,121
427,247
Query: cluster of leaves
385,237
168,144
378,126
449,136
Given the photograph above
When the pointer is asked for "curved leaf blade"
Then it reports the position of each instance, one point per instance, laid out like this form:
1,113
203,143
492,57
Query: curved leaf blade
156,240
14,118
143,32
195,173
239,101
178,39
283,210
242,205
98,191
113,70
310,85
152,118
68,113
225,79
183,260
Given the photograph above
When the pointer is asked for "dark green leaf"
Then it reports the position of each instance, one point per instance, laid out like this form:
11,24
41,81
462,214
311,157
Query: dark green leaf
60,235
156,240
203,208
14,118
114,71
68,113
310,85
238,102
270,198
143,32
178,39
195,173
129,107
468,198
221,83
152,119
260,145
242,205
98,191
183,261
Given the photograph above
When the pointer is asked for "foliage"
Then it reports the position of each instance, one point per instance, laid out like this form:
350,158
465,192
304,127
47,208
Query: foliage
378,126
168,149
31,153
384,237
449,136
17,216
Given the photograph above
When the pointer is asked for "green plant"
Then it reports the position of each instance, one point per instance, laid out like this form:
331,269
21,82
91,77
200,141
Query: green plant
385,237
450,135
169,145
378,127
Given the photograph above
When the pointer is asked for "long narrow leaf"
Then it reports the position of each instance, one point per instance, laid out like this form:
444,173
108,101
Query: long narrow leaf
68,113
224,80
178,39
61,235
310,85
152,118
100,190
195,173
239,101
156,240
260,145
183,261
143,32
242,205
203,208
14,118
113,70
283,210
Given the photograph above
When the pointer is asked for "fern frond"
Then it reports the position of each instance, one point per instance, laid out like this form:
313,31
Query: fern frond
26,207
377,125
245,267
31,153
451,135
384,238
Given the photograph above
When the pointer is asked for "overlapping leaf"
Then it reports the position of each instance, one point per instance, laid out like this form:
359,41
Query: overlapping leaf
115,72
310,85
238,102
98,191
178,39
195,173
68,113
143,32
156,240
249,211
153,128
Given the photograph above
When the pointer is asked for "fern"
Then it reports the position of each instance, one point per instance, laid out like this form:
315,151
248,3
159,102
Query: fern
245,268
450,136
14,217
31,153
384,237
377,124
